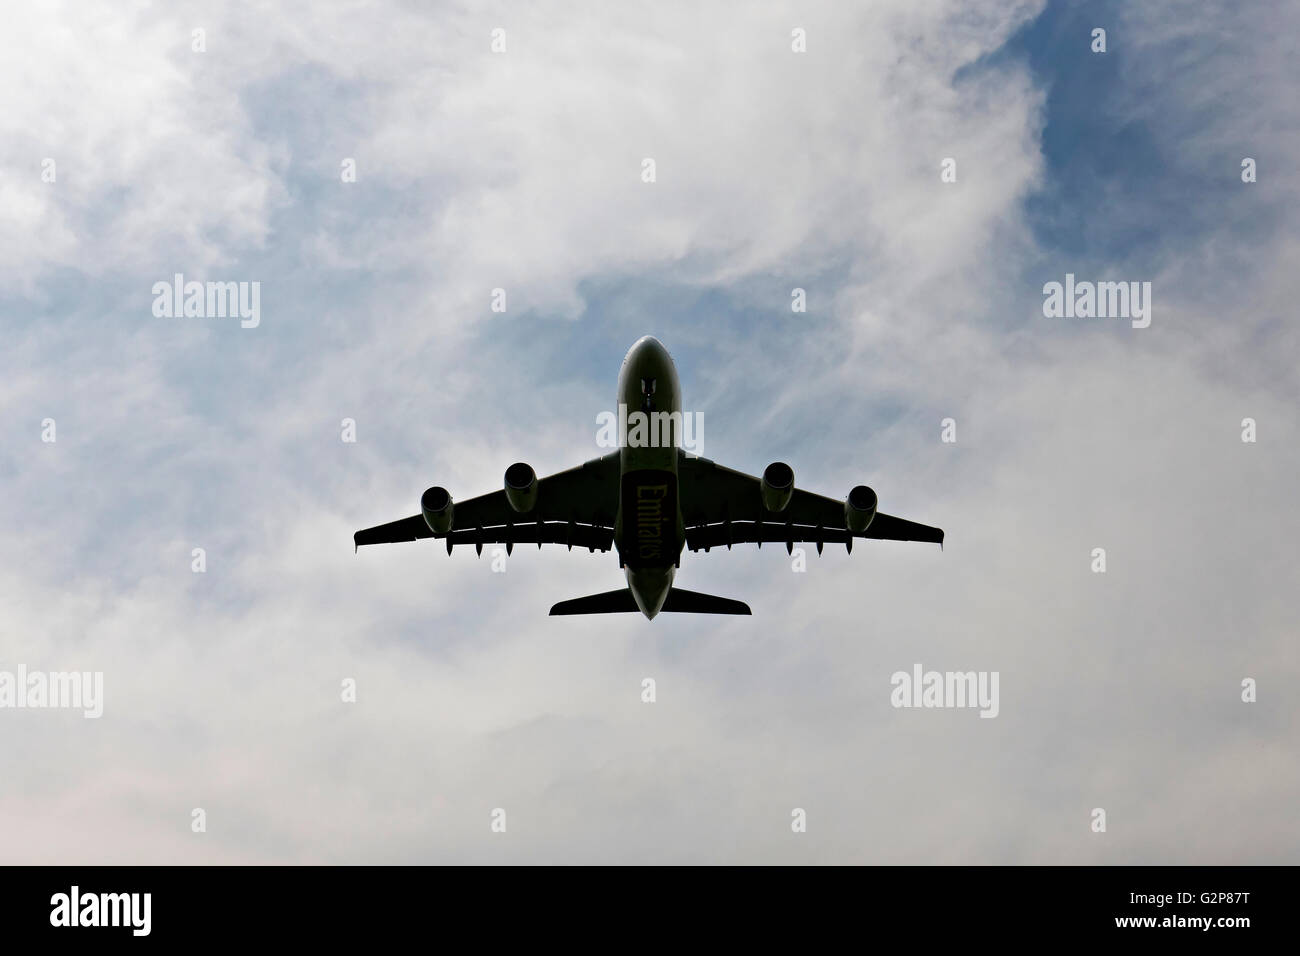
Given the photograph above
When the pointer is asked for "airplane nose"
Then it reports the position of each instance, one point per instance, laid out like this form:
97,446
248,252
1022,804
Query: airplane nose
646,344
649,351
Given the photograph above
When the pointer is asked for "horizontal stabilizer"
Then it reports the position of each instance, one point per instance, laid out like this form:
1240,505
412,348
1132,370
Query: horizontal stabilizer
693,602
607,602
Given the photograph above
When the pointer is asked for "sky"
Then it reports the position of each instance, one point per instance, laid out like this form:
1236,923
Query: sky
795,146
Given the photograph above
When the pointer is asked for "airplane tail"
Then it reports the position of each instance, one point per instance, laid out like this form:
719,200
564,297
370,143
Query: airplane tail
679,600
693,602
607,602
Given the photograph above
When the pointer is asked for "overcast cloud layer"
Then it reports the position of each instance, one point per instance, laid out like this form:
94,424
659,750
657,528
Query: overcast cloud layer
774,170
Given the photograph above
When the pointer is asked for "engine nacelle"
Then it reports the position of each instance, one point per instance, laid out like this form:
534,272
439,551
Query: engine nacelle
777,486
521,487
435,505
859,509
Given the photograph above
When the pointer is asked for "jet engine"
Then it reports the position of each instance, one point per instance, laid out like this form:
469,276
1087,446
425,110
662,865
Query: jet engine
859,509
521,487
777,486
435,505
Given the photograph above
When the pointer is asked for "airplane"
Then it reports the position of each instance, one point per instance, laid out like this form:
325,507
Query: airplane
648,501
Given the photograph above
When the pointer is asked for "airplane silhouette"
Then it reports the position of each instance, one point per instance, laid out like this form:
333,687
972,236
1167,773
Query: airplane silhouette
649,500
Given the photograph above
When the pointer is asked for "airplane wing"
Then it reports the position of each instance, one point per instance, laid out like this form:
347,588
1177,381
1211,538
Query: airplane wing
721,506
574,507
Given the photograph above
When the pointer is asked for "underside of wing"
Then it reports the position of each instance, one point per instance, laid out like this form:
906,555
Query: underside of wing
722,507
404,529
576,508
706,537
